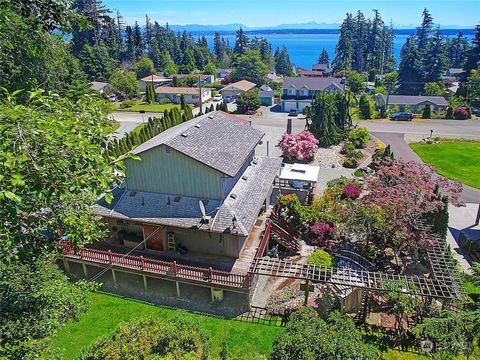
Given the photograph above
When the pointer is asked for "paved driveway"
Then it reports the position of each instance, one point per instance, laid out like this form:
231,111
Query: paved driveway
402,151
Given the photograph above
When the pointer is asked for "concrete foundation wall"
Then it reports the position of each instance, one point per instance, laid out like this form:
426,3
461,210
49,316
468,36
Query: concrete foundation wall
161,291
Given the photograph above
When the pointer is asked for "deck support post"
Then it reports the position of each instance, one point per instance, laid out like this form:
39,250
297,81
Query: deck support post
212,295
178,288
114,276
145,284
85,273
66,265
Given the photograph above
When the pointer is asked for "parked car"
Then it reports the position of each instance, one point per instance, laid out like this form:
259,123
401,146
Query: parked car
402,116
218,97
293,112
229,98
112,98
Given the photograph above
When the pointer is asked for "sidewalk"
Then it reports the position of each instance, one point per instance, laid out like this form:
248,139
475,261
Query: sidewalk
461,221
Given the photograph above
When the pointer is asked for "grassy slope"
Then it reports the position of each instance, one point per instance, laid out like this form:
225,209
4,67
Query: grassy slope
457,160
245,341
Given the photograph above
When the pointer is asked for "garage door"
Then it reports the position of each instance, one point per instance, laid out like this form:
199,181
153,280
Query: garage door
301,106
289,105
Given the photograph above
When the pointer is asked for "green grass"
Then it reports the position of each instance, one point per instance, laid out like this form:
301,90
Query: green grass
111,127
245,340
454,159
154,107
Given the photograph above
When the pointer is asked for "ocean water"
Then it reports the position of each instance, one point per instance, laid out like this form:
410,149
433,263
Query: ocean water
304,49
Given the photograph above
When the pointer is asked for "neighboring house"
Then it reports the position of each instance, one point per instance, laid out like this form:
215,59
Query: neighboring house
204,78
191,94
309,73
191,206
298,92
415,104
101,87
221,73
267,95
454,72
325,69
272,76
156,80
237,88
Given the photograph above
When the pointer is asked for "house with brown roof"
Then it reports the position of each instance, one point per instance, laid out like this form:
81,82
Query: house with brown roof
156,80
237,88
174,94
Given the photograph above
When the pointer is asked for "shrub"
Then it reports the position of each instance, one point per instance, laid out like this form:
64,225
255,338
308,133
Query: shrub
321,232
359,136
149,339
461,113
351,191
350,163
248,101
365,108
320,257
347,148
307,336
449,114
165,101
427,112
281,301
127,104
301,146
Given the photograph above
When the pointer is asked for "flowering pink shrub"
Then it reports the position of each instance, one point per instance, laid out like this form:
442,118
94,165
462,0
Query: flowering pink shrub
323,232
301,146
351,191
461,113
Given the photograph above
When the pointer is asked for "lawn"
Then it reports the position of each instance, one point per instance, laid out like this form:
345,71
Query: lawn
154,107
245,340
454,159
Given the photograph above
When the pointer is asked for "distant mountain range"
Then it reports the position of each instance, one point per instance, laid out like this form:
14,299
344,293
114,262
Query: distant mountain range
301,28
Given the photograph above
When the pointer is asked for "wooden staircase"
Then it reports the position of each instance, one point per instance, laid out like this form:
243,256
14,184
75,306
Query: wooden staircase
172,243
284,238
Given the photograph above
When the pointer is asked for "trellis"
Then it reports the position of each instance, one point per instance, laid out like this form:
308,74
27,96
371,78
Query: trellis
442,283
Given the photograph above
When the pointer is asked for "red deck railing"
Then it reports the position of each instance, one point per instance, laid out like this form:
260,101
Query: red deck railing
158,266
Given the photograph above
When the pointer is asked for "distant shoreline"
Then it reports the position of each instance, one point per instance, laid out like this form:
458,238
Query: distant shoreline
292,32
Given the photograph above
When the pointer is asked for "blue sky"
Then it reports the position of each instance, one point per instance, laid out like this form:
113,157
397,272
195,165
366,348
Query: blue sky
275,12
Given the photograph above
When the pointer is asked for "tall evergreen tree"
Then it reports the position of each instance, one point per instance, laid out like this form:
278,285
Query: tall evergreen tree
323,58
437,58
283,66
137,41
457,50
241,42
473,58
409,70
344,49
218,47
360,42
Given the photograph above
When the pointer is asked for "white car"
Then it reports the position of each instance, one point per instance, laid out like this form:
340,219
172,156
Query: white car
112,98
218,97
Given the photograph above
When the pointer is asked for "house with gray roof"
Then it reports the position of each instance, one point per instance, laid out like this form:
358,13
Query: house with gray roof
411,103
267,95
198,186
298,92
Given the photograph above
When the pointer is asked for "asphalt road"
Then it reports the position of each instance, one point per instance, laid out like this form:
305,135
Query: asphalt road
402,151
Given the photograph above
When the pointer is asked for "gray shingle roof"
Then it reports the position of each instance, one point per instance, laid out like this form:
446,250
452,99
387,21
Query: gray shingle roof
216,139
414,100
311,83
164,209
321,67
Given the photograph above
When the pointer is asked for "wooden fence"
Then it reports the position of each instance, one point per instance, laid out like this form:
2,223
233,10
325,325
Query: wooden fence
158,266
